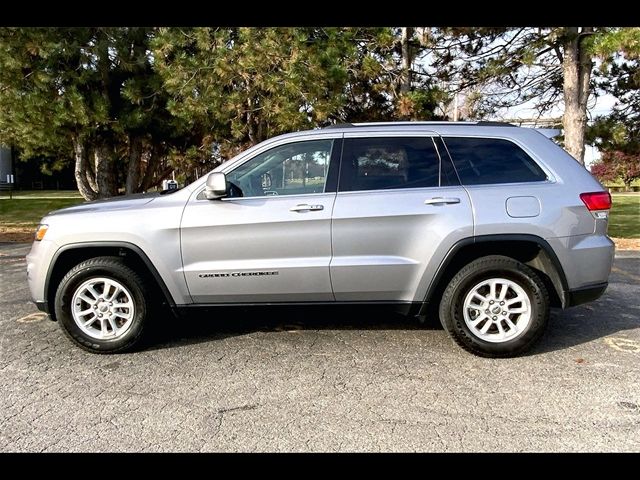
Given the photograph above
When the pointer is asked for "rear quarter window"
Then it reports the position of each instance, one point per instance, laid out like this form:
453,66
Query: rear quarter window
482,161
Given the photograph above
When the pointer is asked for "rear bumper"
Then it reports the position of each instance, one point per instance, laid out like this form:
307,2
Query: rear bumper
582,295
586,261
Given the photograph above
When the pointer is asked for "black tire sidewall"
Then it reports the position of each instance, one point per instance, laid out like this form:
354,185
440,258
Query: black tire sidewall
512,270
107,269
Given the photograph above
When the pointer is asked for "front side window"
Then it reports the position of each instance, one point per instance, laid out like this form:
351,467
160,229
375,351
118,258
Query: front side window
389,163
291,169
481,161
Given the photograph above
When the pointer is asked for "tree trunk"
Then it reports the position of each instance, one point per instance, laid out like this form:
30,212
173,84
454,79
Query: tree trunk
407,60
133,172
90,173
255,130
105,172
81,171
103,151
150,179
576,67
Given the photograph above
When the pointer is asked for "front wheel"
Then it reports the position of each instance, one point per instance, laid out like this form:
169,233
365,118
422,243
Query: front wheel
495,307
101,305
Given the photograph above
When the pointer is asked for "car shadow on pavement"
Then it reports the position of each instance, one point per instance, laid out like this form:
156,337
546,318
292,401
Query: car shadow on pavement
220,323
569,328
611,315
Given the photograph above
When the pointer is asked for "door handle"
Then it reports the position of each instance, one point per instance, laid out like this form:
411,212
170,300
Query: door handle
441,200
304,207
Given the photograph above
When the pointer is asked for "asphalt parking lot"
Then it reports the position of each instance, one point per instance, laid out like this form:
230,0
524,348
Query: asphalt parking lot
321,381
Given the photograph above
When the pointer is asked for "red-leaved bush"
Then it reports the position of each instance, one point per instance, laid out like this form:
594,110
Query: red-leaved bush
615,165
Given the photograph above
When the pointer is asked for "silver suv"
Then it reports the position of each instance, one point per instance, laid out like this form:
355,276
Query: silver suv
485,225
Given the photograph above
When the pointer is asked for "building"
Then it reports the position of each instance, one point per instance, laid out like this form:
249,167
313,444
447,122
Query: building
6,167
29,174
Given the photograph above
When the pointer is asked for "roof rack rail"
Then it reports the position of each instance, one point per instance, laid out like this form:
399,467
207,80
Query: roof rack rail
339,125
493,123
481,123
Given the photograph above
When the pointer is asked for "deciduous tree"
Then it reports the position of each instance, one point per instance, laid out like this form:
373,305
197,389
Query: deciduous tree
514,66
615,165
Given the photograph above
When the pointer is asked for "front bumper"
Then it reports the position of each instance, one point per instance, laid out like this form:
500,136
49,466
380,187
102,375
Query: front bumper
42,306
38,261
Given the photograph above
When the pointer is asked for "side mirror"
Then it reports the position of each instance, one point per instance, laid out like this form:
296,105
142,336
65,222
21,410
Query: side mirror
216,186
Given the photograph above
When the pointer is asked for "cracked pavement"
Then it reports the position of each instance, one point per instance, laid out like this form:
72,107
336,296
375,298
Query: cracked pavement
320,380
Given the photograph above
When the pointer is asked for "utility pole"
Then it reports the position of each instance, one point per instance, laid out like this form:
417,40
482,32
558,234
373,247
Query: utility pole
455,107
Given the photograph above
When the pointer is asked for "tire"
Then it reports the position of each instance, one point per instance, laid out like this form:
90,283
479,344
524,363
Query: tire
525,304
122,314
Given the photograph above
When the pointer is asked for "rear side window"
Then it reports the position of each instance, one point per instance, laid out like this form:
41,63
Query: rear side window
380,163
492,160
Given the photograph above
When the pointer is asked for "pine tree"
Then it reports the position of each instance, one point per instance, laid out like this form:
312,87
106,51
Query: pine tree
91,96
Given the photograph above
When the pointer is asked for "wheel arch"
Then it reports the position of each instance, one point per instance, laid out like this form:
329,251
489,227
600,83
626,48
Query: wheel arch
70,255
529,249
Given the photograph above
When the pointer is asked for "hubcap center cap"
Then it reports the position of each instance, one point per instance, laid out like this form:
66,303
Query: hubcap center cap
495,309
103,307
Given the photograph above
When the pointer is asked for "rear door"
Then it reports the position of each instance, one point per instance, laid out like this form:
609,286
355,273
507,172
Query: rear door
398,209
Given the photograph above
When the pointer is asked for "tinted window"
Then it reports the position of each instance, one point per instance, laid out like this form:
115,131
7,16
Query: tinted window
291,169
491,160
383,163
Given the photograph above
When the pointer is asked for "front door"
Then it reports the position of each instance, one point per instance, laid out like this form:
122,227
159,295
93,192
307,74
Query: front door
399,205
270,241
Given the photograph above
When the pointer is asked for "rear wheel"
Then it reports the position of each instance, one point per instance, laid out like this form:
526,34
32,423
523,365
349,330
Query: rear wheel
101,305
495,307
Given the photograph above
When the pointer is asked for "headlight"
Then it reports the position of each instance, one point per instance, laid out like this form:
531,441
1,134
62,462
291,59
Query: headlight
41,231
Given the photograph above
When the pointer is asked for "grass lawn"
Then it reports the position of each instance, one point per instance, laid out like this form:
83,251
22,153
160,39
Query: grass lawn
43,194
27,212
624,221
618,183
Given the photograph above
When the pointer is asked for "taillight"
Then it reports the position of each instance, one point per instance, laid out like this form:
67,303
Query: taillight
596,200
